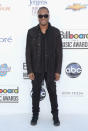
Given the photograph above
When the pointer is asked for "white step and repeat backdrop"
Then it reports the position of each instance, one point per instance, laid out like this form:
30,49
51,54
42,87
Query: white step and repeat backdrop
16,17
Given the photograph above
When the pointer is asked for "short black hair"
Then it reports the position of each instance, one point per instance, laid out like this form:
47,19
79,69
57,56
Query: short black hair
43,7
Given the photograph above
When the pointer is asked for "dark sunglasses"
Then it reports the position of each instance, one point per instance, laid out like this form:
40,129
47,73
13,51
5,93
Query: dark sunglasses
41,16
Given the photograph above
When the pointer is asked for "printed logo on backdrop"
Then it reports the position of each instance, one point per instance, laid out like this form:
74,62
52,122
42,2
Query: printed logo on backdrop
73,70
25,76
75,39
6,40
4,69
42,92
73,93
35,4
9,95
4,7
76,7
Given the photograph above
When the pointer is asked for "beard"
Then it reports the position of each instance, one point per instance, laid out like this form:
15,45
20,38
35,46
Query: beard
43,24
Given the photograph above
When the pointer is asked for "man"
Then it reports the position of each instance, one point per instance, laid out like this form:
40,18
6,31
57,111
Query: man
44,60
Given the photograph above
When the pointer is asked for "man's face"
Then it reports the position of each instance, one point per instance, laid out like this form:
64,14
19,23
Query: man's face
43,17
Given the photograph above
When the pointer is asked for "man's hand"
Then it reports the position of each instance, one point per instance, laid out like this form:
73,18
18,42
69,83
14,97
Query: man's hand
57,76
31,76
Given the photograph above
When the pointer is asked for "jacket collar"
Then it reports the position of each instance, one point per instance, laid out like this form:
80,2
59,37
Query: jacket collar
38,26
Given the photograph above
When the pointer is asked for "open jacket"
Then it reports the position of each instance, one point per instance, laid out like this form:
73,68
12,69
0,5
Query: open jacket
33,50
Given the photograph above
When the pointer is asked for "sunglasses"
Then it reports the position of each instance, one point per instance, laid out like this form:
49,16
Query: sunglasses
45,16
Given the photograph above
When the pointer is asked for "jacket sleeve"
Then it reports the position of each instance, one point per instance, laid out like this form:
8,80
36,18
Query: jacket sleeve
28,53
58,52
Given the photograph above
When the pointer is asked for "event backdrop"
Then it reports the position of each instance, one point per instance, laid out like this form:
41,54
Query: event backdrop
16,17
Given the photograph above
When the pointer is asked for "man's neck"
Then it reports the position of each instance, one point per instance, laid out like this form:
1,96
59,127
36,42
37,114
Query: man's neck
43,28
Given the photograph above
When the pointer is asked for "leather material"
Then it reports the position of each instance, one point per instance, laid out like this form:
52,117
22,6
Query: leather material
33,50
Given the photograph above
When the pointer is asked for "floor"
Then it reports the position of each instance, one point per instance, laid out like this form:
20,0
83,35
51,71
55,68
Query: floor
21,122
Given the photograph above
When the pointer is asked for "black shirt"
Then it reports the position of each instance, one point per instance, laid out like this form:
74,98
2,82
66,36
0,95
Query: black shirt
44,55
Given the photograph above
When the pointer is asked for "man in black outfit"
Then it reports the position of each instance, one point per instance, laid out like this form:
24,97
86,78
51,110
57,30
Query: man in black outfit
44,61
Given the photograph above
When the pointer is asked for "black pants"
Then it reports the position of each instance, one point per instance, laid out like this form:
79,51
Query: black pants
51,87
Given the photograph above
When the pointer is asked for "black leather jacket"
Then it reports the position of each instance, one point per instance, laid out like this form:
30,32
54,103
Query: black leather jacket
33,50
